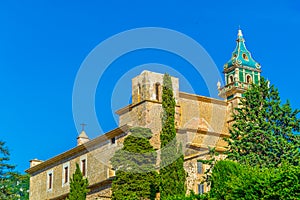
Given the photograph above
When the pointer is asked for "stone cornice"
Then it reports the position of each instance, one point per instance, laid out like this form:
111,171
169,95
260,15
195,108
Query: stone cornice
192,156
184,95
202,98
240,67
129,107
202,131
81,148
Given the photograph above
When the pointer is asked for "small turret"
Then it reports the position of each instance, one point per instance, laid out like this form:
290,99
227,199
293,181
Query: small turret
82,137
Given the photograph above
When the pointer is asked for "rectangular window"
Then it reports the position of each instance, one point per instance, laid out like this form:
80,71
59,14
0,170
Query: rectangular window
49,180
200,188
83,167
199,167
66,171
83,164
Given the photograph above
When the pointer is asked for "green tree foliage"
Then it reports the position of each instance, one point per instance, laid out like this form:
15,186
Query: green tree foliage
210,161
13,186
263,129
136,176
231,180
5,167
223,172
78,186
172,173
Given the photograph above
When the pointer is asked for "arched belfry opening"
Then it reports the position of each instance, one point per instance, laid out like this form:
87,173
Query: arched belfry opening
231,79
249,79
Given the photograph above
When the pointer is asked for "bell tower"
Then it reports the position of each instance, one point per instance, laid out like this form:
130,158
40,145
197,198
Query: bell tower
240,71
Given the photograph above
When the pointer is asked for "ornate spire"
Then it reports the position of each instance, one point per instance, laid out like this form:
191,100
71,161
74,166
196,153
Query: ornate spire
240,72
241,56
240,34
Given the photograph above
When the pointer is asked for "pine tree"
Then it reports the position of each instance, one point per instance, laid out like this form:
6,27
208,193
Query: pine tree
263,129
13,186
78,186
136,176
5,168
172,173
5,173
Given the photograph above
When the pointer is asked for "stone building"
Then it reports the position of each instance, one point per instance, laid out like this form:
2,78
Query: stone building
200,121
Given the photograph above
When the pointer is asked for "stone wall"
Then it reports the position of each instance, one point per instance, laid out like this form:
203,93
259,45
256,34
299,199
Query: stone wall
98,170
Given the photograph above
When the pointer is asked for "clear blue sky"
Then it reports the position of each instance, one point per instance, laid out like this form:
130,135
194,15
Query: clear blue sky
43,43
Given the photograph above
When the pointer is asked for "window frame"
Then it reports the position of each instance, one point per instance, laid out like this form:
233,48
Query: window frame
230,79
65,174
248,79
200,188
157,91
199,167
49,182
139,92
83,158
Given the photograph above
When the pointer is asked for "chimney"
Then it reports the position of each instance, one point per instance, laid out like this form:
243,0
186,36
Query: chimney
35,162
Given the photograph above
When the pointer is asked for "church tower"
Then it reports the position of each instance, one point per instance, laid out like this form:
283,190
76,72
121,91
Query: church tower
240,71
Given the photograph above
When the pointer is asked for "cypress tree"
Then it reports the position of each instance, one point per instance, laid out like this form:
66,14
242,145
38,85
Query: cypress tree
78,186
264,130
136,176
172,173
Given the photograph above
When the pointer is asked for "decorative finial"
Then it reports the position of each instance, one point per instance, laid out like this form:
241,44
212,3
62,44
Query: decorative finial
240,34
219,84
83,125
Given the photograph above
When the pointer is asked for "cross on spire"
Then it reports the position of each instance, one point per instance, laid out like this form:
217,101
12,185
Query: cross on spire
83,125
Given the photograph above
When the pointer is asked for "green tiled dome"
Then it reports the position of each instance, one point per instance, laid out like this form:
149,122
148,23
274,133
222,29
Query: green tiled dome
241,56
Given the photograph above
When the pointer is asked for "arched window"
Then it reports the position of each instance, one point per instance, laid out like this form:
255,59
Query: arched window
249,79
157,91
230,79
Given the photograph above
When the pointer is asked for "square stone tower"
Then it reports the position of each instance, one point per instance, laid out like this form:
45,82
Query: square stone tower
145,110
148,87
